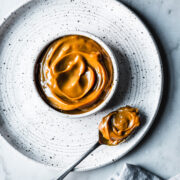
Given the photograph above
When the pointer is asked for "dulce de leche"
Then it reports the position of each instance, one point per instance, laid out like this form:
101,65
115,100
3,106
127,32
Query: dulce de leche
74,74
118,125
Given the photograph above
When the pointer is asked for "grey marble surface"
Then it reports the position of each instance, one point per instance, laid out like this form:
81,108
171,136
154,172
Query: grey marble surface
159,150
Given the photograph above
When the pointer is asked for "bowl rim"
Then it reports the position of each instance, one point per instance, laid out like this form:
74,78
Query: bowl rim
115,74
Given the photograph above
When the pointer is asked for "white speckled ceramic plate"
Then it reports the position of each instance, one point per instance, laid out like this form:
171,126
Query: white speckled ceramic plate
35,129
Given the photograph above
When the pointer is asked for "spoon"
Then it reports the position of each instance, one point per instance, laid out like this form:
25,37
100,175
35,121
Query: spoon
72,166
113,129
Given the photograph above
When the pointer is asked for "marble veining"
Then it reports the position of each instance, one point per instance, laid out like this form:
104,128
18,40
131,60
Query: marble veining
153,153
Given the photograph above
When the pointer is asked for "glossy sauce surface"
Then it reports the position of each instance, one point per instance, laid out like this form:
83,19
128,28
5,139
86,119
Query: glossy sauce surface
118,125
75,74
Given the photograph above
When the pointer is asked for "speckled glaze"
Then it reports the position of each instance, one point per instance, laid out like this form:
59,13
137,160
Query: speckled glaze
37,130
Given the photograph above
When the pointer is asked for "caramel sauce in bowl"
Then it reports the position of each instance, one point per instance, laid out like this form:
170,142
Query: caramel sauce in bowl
76,74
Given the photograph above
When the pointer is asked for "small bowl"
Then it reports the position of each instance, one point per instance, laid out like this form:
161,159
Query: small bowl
115,76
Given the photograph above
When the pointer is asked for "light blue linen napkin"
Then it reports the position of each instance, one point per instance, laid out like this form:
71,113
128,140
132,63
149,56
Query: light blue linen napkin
132,172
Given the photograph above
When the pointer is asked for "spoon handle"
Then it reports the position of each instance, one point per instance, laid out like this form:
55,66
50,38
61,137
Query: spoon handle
72,166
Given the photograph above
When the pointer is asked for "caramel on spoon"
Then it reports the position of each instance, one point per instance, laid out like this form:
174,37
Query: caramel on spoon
118,125
114,128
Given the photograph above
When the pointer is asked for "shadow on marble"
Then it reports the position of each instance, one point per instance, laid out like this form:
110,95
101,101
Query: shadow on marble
166,73
165,95
166,85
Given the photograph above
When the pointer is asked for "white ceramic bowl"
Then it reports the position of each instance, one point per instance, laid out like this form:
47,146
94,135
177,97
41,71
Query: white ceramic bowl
115,74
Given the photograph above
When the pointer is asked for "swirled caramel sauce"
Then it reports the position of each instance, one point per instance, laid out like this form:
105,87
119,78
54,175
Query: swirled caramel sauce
118,125
75,74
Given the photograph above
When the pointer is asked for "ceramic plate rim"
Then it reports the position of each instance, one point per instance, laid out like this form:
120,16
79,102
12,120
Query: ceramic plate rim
155,113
